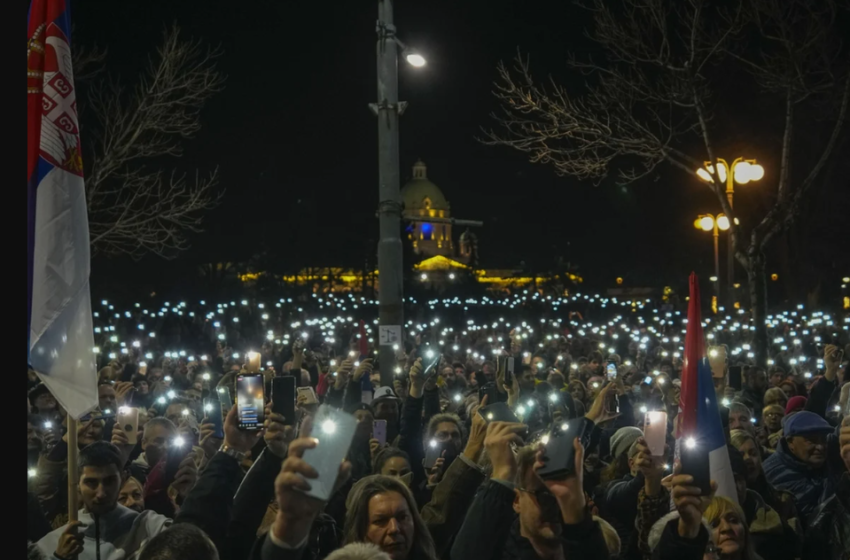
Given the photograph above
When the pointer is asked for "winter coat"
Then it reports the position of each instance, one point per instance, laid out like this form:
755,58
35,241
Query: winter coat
809,486
828,537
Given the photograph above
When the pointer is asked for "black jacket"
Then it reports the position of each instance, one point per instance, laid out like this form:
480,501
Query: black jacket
489,531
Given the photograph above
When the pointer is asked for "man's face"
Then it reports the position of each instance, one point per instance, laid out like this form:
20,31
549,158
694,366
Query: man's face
131,497
460,372
758,381
740,421
810,449
175,412
395,466
775,379
99,487
390,525
33,437
155,443
387,409
752,458
45,403
448,432
539,514
788,389
106,398
526,381
142,387
489,373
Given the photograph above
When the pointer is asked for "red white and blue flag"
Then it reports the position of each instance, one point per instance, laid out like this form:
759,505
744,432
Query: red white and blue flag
699,415
60,338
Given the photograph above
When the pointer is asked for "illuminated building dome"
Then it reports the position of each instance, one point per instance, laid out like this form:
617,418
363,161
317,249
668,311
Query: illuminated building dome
422,200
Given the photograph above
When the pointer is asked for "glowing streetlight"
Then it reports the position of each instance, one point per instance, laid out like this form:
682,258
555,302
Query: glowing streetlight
415,59
742,171
709,222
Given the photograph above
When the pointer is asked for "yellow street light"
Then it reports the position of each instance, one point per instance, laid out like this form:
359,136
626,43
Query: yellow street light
708,222
742,171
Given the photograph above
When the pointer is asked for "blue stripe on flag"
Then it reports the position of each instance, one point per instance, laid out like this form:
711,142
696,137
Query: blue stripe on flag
709,424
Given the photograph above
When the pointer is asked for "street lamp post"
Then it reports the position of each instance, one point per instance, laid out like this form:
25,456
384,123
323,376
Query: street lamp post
708,222
742,171
390,266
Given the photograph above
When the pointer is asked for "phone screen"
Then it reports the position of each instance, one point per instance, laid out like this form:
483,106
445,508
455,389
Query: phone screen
225,397
612,370
283,398
178,448
735,377
379,431
334,431
434,452
250,401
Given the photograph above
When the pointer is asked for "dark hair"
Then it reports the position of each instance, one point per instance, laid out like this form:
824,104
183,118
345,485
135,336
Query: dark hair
100,454
182,541
385,455
139,377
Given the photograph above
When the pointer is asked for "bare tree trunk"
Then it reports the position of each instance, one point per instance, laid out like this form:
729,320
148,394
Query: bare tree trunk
757,283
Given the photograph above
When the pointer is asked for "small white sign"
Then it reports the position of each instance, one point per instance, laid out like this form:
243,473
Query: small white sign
389,335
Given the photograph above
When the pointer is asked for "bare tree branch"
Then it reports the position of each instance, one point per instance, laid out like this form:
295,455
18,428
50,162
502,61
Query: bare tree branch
133,209
650,95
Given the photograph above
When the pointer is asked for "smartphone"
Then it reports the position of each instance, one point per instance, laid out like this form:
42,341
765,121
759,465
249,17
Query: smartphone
559,454
225,398
310,396
334,431
611,370
128,421
694,458
488,390
432,368
283,398
250,400
434,452
214,413
506,364
178,448
379,431
655,431
498,412
735,377
557,404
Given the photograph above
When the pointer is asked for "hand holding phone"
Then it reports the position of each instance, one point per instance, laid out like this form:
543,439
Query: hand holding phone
611,370
559,455
333,431
128,422
215,415
379,431
695,462
283,398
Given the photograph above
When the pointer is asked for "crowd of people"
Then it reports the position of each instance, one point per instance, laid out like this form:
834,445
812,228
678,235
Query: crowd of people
180,486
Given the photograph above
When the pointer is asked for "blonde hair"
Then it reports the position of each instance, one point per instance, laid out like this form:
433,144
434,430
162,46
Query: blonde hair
739,437
775,395
720,506
612,540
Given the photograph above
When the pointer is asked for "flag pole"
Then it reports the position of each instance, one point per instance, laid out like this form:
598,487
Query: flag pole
73,474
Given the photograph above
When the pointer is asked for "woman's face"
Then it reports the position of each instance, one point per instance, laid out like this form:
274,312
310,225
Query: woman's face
390,525
142,387
729,533
131,495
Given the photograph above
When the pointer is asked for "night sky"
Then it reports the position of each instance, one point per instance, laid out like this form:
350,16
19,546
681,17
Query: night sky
296,143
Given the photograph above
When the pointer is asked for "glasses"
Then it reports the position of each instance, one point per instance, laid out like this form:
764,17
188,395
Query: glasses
544,497
774,415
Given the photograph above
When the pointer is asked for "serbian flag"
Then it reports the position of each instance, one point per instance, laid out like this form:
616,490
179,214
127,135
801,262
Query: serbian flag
699,416
60,337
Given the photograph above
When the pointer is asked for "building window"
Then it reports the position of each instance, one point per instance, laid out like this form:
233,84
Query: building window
432,213
442,213
427,231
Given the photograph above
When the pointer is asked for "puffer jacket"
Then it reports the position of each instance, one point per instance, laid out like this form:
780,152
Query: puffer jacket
810,487
828,537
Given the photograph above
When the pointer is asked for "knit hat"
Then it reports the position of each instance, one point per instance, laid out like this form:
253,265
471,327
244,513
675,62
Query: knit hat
623,439
795,402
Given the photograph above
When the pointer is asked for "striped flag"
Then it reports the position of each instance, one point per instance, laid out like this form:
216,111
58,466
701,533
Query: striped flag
699,416
60,337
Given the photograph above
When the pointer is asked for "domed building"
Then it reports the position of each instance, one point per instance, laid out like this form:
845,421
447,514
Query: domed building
424,199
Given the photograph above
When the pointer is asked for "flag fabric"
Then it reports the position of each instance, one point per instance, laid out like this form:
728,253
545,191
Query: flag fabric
699,416
60,337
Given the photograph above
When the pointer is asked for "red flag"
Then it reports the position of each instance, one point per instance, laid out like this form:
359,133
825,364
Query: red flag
694,352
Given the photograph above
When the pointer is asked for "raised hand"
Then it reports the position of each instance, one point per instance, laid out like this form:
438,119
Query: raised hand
70,542
497,441
568,491
186,477
277,434
690,502
477,433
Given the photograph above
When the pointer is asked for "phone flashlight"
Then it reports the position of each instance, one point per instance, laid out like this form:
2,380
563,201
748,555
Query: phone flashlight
208,407
143,364
171,395
161,400
107,411
48,425
520,410
553,397
185,412
643,409
32,473
433,443
690,443
328,426
178,442
457,398
429,354
206,376
167,378
333,362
